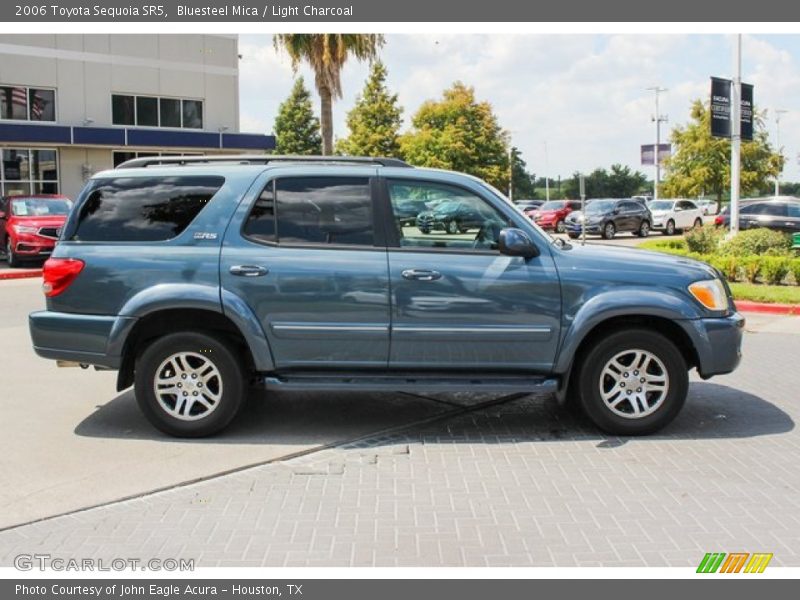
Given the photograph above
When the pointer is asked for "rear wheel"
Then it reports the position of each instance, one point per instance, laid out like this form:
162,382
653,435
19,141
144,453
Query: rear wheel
697,223
190,384
609,230
633,382
452,227
560,226
644,229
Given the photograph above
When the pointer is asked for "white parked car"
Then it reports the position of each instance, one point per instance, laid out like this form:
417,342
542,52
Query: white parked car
674,215
709,207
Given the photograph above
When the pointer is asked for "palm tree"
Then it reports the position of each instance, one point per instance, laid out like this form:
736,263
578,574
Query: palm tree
326,54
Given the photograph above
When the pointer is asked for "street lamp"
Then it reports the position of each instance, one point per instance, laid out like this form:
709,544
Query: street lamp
658,118
546,174
778,113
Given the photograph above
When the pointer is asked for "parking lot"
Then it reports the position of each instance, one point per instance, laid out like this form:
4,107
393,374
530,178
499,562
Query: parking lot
398,479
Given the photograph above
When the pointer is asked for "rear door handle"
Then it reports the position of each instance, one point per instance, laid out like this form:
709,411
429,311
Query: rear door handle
421,275
248,270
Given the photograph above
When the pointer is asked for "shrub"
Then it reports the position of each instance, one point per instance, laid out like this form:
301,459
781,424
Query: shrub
758,242
705,239
774,269
752,267
728,266
794,266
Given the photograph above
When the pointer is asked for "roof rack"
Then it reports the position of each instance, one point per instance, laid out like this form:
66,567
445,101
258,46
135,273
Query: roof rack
258,159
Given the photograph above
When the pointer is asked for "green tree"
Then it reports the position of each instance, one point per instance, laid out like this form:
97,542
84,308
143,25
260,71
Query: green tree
296,126
458,133
700,164
326,54
374,121
522,180
620,182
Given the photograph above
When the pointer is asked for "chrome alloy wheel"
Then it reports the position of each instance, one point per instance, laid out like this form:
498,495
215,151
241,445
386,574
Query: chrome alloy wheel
634,384
188,386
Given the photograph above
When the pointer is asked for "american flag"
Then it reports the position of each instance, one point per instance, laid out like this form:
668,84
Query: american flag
38,105
19,97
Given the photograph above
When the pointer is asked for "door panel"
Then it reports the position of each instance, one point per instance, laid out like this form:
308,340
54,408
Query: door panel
308,264
457,303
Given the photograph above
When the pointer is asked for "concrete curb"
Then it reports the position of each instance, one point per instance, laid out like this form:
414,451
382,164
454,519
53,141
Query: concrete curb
20,273
763,307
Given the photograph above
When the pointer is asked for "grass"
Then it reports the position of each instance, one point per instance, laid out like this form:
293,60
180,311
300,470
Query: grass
772,294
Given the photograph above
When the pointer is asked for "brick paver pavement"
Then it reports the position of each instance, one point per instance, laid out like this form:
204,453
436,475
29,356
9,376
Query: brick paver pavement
518,483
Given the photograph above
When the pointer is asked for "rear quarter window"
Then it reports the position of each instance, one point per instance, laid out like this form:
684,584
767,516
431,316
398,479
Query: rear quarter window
142,209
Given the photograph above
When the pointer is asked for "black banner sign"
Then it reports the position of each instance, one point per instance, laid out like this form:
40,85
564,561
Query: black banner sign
721,109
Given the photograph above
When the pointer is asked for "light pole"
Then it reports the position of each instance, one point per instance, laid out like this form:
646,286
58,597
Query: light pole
658,118
546,175
736,133
511,173
778,113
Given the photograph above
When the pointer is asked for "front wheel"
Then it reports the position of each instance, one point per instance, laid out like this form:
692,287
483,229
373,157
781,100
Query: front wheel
11,258
633,382
452,227
609,230
670,228
190,384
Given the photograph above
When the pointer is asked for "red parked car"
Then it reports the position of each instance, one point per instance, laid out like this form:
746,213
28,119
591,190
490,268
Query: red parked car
551,215
30,225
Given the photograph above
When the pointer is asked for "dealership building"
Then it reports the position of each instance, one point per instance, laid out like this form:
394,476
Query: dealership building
72,105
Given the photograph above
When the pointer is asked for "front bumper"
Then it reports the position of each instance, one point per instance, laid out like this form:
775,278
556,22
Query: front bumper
718,342
30,244
577,228
91,339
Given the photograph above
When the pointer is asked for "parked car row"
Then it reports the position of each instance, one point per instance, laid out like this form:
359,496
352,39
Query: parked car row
781,213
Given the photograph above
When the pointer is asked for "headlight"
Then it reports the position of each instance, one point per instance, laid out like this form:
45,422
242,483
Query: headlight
710,293
24,229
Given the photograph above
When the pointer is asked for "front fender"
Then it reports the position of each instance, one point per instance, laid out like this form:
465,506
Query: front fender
630,301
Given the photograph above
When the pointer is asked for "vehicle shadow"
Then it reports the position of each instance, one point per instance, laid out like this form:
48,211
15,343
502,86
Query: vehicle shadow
294,418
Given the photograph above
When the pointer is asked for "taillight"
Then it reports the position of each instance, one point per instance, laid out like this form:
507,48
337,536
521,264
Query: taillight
59,273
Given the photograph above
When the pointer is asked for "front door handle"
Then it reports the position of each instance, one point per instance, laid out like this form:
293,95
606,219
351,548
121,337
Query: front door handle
248,270
421,275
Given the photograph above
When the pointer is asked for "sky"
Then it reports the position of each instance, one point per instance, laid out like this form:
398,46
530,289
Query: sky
570,102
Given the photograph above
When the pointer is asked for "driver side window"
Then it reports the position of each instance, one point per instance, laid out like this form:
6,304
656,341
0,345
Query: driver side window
433,215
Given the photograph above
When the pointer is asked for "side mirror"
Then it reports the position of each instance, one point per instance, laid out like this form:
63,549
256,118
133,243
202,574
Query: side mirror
515,242
615,211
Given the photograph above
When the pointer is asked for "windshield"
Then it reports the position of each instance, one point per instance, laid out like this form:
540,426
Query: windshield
553,205
661,205
40,207
599,206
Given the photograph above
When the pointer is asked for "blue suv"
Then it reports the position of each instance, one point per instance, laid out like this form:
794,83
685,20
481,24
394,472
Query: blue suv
195,277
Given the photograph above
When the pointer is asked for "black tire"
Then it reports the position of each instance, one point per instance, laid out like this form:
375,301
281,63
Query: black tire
644,229
591,378
424,230
609,230
231,383
573,236
669,229
452,227
11,258
561,227
697,223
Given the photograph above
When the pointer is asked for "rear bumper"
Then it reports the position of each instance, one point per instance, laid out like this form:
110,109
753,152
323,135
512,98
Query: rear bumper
91,339
718,342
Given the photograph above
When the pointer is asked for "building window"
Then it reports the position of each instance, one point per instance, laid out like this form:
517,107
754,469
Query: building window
27,171
152,111
19,103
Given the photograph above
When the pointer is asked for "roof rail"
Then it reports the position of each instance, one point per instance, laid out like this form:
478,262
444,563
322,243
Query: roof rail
257,159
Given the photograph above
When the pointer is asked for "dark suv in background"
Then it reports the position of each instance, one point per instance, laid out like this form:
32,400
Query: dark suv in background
781,213
607,217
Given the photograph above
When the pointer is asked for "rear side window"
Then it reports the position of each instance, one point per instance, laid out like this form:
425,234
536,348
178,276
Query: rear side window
136,209
314,210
